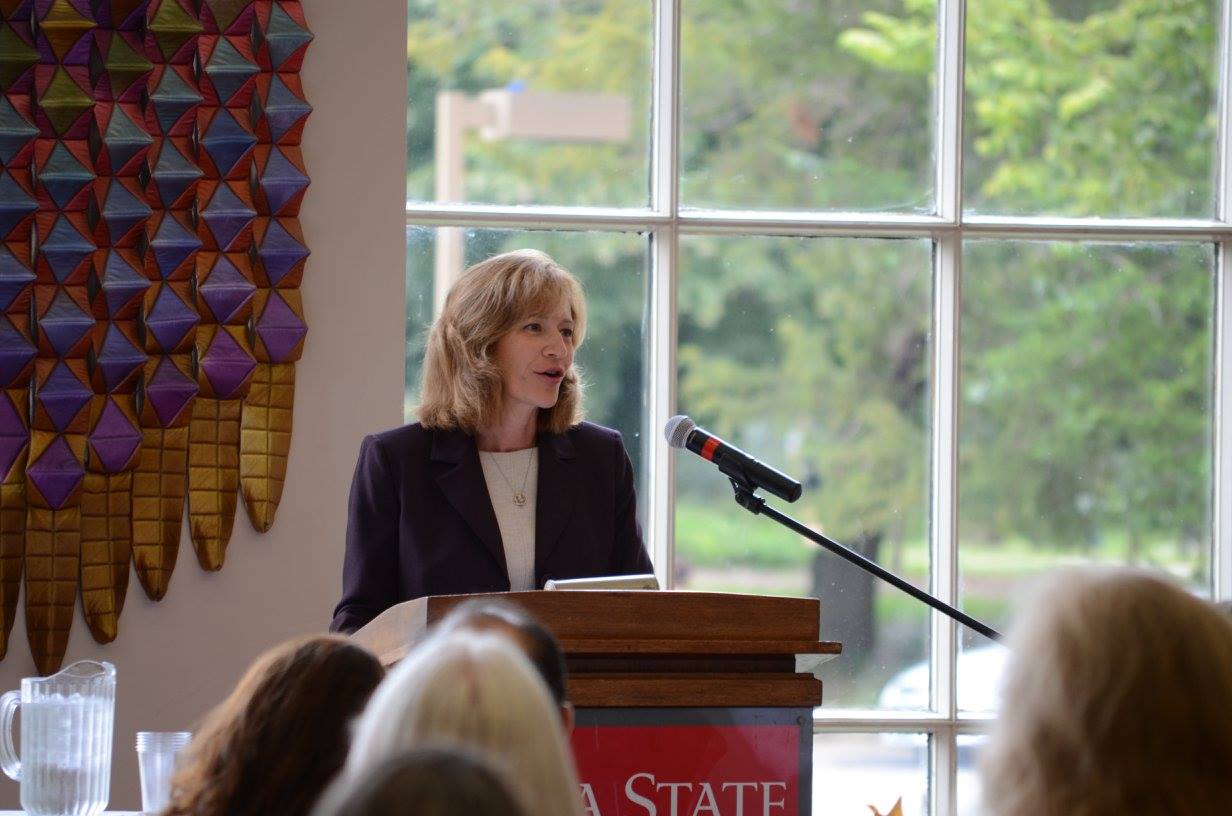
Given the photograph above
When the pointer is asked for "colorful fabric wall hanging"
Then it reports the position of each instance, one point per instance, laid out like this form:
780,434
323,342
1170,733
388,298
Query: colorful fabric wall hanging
150,183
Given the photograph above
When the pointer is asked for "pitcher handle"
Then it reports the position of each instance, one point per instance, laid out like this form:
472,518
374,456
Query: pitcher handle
9,761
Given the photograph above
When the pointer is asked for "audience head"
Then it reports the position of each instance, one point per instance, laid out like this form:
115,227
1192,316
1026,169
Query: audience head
531,636
476,692
278,740
1116,700
425,782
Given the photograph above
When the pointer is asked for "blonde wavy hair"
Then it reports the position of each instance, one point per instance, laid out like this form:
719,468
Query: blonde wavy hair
462,385
1118,700
477,692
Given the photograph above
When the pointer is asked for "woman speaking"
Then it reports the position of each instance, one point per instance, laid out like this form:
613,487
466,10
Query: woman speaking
500,485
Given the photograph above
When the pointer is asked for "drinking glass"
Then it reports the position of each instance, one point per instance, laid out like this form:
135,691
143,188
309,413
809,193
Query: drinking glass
156,755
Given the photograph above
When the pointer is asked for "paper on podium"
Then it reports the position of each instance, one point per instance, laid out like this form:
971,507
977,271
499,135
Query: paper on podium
647,581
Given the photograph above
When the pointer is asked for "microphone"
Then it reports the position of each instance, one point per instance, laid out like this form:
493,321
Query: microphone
682,432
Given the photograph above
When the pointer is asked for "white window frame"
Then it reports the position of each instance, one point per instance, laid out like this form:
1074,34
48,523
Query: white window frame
665,222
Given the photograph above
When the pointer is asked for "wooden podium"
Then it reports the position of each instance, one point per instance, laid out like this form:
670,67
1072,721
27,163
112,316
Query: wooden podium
687,702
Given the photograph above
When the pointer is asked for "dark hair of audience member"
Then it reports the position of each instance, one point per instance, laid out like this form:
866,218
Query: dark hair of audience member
425,782
282,735
1115,701
540,646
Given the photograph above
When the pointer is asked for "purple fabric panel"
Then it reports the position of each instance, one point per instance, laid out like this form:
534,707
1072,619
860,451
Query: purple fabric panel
280,329
226,364
57,473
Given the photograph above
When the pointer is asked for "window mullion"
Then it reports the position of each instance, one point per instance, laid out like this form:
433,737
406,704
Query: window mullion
1223,189
943,783
1221,515
949,149
662,403
665,128
947,268
664,200
944,534
818,224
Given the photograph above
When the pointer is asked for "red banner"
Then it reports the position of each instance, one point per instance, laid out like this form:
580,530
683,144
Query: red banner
689,770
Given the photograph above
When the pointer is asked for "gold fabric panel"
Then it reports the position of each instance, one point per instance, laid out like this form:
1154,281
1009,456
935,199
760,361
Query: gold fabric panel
53,555
12,531
159,487
265,440
213,477
106,548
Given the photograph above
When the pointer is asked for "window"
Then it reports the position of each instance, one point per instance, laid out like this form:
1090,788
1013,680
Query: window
958,266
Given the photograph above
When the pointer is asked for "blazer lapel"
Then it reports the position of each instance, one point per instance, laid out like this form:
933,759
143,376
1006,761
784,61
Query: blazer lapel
554,498
464,486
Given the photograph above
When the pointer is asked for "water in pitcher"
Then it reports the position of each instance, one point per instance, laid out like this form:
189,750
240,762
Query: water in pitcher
66,754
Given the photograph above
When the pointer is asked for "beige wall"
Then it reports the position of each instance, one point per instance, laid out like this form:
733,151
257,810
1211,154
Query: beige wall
178,657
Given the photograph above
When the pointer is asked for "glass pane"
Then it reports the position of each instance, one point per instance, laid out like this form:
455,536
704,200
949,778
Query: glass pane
813,355
969,789
789,105
534,102
1085,424
855,772
420,292
614,270
1091,107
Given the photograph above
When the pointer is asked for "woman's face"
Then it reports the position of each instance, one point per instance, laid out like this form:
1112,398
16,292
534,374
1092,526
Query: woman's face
534,356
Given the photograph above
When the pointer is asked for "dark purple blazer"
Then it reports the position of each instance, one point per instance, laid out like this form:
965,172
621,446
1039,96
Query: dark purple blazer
421,522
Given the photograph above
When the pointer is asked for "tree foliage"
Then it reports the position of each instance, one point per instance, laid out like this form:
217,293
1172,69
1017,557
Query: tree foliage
1086,368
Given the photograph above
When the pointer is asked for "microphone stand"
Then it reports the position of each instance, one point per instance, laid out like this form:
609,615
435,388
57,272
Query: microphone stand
746,498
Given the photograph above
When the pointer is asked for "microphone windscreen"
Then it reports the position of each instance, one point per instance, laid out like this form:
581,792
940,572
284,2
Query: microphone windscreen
677,430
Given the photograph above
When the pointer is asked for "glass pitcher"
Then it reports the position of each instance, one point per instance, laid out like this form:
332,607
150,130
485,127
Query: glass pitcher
66,726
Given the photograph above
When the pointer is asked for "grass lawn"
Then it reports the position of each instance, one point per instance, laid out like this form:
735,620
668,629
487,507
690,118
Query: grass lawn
721,536
722,548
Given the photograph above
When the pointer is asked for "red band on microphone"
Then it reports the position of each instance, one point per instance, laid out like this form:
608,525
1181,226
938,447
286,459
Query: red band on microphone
708,449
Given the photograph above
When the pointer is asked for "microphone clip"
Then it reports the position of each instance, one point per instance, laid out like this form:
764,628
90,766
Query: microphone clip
746,497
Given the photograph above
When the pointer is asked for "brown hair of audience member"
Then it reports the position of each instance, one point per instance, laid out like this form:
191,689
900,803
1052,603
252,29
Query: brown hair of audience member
425,782
1116,701
282,735
539,644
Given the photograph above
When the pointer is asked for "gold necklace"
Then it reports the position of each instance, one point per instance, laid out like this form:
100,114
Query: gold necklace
519,496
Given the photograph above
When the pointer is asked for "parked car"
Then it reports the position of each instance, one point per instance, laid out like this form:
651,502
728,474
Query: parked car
979,682
979,692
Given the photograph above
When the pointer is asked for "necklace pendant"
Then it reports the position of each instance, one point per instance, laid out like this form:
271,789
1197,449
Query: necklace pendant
519,498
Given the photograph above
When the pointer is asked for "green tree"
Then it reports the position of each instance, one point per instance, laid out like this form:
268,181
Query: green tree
1075,107
1086,368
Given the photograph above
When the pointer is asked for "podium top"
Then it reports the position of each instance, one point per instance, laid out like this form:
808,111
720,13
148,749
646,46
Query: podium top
594,623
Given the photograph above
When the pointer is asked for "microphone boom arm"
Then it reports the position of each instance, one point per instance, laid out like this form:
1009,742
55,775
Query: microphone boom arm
756,505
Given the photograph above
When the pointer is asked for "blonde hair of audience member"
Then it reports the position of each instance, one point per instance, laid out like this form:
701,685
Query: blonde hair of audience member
463,386
1117,700
526,632
478,692
278,740
425,782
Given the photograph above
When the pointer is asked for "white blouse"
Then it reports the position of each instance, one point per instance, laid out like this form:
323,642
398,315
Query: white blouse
509,475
